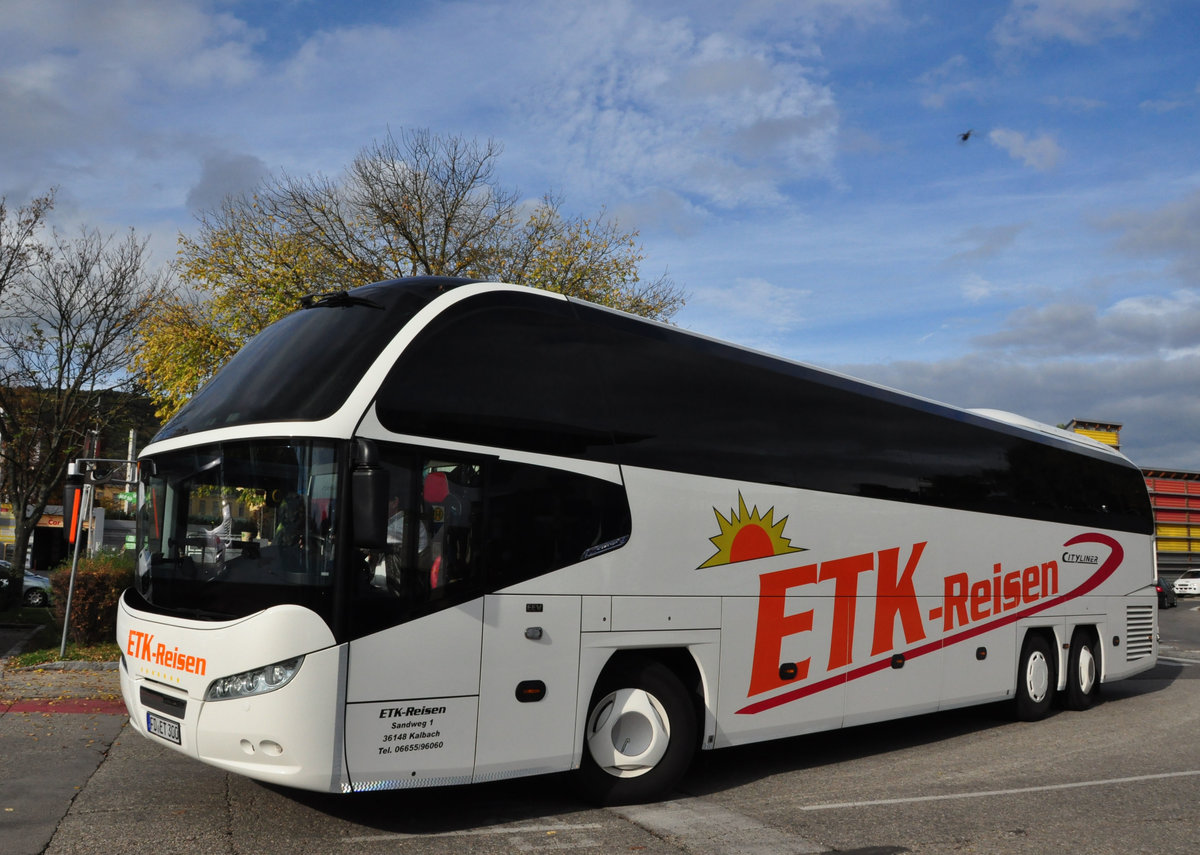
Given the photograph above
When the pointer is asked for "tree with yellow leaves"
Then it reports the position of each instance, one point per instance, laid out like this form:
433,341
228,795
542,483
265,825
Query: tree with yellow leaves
418,205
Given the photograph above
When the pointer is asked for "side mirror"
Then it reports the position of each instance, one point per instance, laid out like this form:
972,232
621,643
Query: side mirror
369,497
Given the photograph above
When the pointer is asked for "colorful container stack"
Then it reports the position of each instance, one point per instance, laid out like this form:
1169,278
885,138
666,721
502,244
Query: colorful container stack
1175,498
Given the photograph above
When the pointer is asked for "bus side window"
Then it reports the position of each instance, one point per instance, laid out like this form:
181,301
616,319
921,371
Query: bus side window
459,527
452,495
541,519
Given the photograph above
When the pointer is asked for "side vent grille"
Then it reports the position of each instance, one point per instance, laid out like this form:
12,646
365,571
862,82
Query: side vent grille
1139,632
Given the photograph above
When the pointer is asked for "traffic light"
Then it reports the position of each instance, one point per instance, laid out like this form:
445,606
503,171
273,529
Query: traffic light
72,505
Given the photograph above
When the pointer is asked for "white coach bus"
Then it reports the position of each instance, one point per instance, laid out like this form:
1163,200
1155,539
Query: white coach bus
433,531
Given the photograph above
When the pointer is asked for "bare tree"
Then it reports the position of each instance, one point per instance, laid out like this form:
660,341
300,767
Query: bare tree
67,318
19,237
416,204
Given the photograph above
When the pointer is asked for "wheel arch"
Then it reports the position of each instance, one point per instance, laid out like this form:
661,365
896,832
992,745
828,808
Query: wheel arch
1098,651
693,658
665,738
678,660
1061,636
1042,638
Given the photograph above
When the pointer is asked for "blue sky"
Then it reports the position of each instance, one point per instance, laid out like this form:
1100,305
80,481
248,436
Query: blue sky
796,166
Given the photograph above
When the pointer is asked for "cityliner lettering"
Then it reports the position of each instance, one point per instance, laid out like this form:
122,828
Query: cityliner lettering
140,645
970,606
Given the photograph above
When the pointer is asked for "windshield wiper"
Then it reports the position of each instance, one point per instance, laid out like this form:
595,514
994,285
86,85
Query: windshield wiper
335,298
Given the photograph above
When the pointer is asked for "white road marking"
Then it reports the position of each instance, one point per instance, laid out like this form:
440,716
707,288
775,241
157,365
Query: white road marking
1178,660
990,793
704,828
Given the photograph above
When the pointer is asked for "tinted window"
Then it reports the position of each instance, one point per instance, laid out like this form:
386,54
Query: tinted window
304,366
541,519
689,404
459,526
229,529
518,370
501,369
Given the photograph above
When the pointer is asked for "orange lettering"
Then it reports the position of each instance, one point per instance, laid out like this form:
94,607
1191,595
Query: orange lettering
956,600
1030,578
844,572
774,624
897,597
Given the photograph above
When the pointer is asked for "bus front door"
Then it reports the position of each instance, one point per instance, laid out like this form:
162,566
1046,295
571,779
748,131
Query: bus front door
412,700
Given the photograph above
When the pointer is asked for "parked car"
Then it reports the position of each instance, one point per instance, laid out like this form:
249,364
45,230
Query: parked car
1166,595
1188,585
36,591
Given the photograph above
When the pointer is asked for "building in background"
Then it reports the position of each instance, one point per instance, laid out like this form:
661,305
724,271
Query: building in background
1175,498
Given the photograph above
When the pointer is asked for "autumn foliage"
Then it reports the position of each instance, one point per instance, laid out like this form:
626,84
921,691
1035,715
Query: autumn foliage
417,205
99,581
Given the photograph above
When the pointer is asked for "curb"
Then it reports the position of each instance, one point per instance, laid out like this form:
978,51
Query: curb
70,665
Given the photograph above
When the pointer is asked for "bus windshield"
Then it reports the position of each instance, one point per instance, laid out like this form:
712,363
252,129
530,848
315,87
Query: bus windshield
228,529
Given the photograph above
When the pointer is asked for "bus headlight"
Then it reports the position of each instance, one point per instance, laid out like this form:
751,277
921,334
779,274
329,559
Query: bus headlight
256,682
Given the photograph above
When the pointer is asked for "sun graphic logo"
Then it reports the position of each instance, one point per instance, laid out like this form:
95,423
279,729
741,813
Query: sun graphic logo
747,535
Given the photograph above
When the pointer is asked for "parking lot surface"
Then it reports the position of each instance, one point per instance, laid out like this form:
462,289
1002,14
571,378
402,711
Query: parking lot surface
1118,778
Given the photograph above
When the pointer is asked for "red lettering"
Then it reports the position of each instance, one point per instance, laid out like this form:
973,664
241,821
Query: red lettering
897,597
1030,580
956,600
1049,578
844,572
995,589
1012,590
981,593
774,625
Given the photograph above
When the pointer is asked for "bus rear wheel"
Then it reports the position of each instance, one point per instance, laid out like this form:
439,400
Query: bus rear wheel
640,734
1083,671
1036,679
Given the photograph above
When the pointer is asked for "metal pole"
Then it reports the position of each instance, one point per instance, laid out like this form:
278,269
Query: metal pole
87,487
129,466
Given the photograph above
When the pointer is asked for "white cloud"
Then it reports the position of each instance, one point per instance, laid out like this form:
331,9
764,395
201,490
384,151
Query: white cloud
1042,153
108,100
1169,231
1162,105
224,174
1074,103
946,82
976,289
757,303
1149,396
1031,22
1142,325
986,242
722,119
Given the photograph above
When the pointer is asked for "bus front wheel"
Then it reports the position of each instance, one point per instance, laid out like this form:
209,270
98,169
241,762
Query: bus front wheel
1036,679
640,734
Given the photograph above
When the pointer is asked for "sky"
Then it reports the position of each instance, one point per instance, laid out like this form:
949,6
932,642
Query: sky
992,204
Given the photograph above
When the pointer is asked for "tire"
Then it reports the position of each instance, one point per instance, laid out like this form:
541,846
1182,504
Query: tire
1083,671
36,597
1036,679
640,734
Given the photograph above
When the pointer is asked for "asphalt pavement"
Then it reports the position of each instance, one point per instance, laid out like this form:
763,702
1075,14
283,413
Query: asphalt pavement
57,724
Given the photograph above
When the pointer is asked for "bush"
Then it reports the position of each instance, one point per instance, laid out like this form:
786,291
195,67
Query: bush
99,582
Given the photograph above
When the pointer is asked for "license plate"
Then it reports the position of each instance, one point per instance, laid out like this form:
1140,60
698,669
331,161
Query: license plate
163,727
